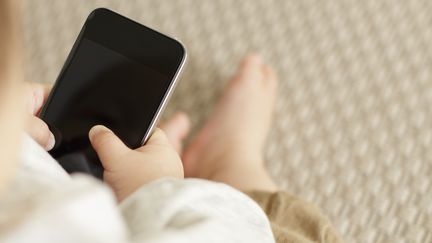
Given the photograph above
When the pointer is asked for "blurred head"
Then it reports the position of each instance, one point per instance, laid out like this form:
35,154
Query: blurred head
11,107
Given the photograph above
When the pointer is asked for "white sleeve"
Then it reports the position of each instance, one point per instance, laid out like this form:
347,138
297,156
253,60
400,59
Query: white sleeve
194,210
80,210
45,205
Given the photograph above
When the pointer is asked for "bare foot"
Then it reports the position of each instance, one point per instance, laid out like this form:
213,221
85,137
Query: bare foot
176,129
229,148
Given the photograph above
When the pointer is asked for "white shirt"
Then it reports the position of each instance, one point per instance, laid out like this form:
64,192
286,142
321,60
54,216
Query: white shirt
45,204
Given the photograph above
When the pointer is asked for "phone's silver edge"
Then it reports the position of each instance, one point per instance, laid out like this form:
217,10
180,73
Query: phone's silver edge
167,96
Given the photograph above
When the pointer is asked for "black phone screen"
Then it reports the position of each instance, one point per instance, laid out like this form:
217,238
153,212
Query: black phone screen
99,85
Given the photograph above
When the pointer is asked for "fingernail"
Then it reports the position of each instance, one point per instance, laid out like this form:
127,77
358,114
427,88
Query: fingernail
97,129
51,142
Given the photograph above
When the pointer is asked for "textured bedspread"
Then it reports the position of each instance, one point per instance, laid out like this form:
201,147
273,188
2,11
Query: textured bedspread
353,129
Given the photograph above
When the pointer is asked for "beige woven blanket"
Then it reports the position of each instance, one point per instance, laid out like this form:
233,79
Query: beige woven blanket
353,129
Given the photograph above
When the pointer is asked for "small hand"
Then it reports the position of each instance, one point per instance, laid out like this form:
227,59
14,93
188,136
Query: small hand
35,127
125,169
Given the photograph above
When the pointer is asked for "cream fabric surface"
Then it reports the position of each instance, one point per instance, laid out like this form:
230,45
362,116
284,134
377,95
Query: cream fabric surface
353,127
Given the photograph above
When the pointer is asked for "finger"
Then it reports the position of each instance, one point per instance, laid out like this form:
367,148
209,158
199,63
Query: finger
158,137
35,100
45,87
38,94
176,129
40,132
47,90
106,144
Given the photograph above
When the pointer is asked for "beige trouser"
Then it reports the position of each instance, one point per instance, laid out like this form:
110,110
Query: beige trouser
294,220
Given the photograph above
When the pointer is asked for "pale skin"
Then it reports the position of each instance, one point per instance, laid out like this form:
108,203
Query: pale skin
228,148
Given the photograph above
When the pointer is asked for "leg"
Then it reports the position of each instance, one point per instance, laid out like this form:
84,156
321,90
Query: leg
229,147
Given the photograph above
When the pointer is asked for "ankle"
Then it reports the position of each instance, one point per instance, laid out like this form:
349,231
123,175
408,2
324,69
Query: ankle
245,177
233,163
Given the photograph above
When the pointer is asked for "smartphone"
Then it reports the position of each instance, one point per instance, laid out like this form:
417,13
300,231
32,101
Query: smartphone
120,74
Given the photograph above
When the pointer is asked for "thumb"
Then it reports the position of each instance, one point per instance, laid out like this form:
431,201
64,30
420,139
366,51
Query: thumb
106,144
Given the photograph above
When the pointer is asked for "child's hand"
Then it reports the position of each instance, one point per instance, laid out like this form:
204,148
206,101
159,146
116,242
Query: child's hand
35,127
125,169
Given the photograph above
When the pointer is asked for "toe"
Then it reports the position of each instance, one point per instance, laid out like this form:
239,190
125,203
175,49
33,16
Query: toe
183,124
176,129
270,77
250,69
